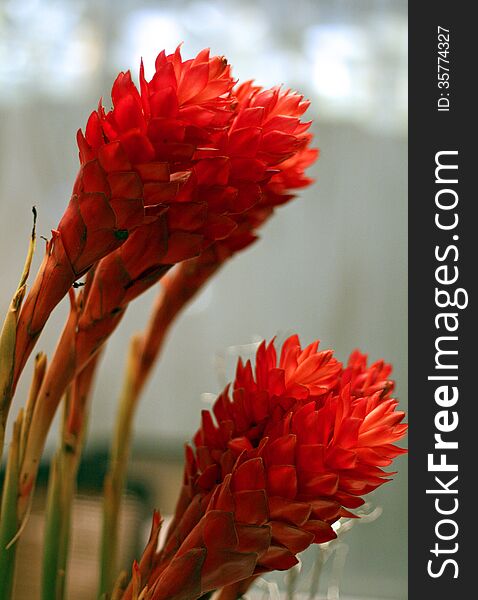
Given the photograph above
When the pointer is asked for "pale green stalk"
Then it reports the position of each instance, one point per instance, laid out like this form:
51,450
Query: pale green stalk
52,579
9,524
116,475
62,485
8,340
38,375
292,576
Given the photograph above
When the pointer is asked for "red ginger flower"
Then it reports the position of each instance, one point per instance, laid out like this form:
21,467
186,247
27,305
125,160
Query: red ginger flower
298,440
308,404
236,172
133,160
213,199
277,113
219,181
183,108
220,178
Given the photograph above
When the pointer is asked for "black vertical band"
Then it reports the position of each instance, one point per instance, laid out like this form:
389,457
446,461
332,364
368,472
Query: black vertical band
443,258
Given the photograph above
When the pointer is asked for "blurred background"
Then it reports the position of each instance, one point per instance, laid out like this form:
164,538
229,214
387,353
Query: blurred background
331,265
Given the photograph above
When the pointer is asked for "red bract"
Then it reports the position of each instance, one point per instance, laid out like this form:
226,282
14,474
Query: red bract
295,443
183,108
134,159
265,116
218,205
218,551
291,175
364,381
276,114
336,424
237,174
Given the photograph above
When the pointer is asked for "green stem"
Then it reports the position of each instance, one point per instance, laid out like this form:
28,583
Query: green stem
62,485
116,475
52,580
9,523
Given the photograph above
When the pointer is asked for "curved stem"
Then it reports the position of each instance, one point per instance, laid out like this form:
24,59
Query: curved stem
116,474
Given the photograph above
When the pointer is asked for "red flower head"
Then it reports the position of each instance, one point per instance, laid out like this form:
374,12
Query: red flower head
134,159
201,168
295,442
280,114
254,162
209,203
184,107
227,180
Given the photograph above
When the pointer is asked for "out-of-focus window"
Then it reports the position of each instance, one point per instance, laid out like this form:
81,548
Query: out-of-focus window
353,65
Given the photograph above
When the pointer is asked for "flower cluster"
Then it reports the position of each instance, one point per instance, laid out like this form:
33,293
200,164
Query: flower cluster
184,167
133,161
225,190
181,163
292,446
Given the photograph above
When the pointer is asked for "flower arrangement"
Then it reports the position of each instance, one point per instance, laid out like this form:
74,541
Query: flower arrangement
175,180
